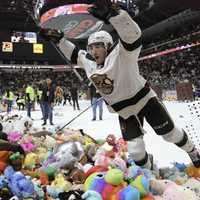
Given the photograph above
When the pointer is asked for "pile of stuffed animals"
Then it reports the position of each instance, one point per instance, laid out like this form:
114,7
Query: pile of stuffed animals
70,165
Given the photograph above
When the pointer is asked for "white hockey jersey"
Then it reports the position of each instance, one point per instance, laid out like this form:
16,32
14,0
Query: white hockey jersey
118,81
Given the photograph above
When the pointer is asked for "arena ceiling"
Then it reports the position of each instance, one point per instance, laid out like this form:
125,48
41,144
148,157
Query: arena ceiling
18,13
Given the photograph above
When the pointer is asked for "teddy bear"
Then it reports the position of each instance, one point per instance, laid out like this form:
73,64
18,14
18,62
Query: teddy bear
8,126
67,155
169,190
194,185
71,195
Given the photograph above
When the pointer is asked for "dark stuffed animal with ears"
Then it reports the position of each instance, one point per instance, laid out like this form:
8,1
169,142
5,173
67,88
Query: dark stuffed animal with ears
71,195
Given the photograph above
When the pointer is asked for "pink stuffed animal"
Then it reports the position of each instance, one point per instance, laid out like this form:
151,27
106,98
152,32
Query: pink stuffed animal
27,143
14,136
101,159
28,146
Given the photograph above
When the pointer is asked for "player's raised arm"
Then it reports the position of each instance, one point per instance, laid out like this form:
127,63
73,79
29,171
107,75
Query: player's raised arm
67,47
126,27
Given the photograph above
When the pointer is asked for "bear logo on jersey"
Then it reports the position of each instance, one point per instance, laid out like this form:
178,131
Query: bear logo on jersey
103,83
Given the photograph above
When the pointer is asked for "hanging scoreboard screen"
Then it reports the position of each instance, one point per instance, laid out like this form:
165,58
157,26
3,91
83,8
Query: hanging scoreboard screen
23,37
73,17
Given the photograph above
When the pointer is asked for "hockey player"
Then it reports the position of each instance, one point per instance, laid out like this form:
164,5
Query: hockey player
113,69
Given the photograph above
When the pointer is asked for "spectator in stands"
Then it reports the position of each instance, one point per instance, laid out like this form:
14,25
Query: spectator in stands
96,101
194,90
113,68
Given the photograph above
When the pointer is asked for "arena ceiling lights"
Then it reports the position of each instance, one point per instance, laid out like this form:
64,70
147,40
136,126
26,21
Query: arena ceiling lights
17,6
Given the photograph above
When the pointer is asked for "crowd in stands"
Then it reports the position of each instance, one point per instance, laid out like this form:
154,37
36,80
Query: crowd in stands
169,39
15,84
165,70
17,78
175,67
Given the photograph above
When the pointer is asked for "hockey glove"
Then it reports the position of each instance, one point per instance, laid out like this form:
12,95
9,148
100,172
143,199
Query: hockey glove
104,10
51,35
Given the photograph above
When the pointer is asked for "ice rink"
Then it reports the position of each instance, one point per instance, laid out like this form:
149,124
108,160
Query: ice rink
185,115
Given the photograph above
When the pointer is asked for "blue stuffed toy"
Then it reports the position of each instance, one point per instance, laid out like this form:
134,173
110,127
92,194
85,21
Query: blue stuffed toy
91,195
53,191
19,185
5,193
180,166
3,182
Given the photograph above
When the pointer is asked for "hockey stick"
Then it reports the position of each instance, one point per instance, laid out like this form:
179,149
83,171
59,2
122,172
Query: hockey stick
68,62
60,129
60,53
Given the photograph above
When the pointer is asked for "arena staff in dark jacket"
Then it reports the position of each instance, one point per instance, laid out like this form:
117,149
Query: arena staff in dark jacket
47,100
41,85
74,95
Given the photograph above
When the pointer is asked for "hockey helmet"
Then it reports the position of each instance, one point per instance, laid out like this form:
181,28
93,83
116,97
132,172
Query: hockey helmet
100,36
